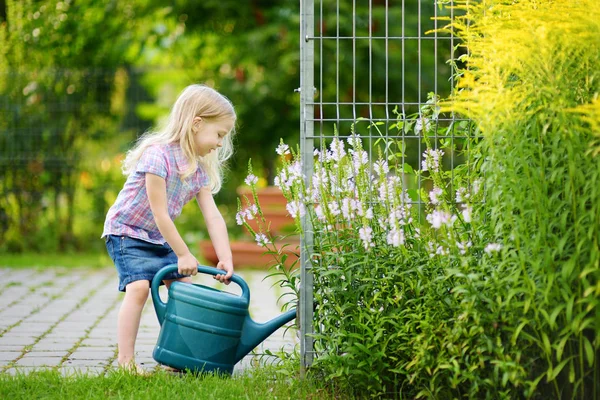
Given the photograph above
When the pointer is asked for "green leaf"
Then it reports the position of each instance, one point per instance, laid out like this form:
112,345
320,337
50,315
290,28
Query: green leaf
546,342
589,351
515,335
553,372
561,347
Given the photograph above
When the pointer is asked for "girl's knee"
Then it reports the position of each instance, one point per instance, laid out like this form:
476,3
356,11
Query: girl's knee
138,290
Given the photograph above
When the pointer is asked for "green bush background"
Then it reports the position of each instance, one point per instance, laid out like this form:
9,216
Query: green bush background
81,80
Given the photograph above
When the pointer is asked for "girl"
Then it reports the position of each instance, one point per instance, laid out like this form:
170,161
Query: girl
165,170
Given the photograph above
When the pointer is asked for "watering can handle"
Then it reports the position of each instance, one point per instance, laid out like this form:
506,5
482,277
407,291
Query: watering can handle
160,306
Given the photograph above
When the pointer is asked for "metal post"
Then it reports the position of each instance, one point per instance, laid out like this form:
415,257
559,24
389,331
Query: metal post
306,148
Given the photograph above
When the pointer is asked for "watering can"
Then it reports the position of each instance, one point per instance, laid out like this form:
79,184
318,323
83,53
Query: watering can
204,329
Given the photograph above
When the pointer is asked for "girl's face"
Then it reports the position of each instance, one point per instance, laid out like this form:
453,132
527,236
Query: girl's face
208,136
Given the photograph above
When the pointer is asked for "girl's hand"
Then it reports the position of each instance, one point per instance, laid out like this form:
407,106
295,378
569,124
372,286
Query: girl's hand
187,264
226,265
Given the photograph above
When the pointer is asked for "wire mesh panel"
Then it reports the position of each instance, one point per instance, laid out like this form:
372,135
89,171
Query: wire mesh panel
374,68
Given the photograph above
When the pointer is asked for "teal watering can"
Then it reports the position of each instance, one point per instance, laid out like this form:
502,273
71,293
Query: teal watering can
204,329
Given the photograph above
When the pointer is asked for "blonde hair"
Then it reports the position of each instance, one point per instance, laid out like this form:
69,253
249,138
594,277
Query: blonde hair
194,101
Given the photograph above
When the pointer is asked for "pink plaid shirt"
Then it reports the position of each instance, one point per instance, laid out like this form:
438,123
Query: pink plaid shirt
131,214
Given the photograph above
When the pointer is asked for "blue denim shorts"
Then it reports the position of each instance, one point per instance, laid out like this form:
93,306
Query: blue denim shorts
138,260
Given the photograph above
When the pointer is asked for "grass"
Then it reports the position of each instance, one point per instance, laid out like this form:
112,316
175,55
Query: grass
46,260
262,384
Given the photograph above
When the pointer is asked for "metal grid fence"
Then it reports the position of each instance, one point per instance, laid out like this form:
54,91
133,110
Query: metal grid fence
365,62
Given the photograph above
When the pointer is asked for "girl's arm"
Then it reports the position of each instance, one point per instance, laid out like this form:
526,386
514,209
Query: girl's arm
217,231
156,188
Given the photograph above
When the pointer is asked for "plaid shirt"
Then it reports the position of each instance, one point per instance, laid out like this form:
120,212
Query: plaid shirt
131,214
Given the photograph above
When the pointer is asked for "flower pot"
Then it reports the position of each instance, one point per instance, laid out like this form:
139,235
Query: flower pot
249,254
269,198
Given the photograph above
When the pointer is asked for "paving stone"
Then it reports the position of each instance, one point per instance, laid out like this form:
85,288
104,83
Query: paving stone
37,312
82,354
28,361
52,346
31,337
61,334
9,355
46,354
11,348
15,341
97,342
85,363
110,348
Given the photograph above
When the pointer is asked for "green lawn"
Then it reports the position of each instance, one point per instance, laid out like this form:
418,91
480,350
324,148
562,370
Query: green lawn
263,384
45,260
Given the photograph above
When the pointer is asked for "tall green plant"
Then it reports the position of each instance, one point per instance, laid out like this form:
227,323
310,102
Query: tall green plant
380,272
533,74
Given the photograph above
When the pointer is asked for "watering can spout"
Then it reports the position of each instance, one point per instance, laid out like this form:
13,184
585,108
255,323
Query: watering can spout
253,333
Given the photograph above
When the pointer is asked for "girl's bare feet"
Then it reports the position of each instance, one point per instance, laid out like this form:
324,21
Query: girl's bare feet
133,368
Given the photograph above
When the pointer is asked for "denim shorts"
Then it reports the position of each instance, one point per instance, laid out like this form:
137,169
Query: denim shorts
138,260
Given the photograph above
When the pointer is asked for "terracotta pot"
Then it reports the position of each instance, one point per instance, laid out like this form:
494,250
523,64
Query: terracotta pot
269,197
248,254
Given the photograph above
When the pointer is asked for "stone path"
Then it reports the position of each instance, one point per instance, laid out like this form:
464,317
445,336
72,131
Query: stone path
66,319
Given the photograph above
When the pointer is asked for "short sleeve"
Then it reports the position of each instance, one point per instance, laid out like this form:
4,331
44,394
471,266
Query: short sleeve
153,161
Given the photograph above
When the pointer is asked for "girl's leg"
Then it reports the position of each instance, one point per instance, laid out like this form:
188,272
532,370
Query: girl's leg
167,282
136,294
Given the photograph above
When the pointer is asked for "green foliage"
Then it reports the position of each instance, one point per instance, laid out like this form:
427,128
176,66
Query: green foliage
60,89
529,69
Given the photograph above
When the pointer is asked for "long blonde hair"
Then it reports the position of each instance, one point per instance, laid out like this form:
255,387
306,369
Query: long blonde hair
194,101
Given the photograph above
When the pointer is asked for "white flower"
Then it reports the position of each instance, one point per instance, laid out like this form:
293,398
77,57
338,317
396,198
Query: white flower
288,176
476,186
381,167
354,140
422,122
395,237
369,214
334,208
366,235
431,160
262,240
441,251
358,207
439,218
248,213
434,195
466,213
251,180
431,249
359,158
320,213
462,195
337,150
295,208
346,204
239,217
282,149
462,246
492,248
